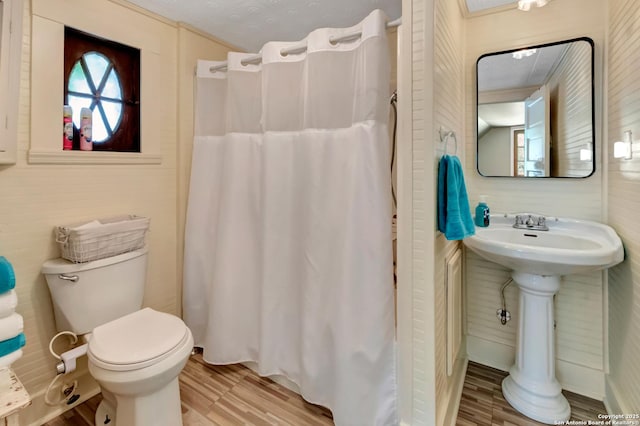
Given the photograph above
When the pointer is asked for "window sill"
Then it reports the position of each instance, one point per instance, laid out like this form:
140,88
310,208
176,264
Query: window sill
91,157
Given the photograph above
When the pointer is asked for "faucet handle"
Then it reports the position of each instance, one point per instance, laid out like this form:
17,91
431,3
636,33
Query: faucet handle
529,221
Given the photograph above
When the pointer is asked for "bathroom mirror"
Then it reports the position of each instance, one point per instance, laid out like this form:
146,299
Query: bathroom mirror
535,111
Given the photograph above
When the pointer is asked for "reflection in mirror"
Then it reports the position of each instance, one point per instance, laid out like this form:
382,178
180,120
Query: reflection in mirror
535,111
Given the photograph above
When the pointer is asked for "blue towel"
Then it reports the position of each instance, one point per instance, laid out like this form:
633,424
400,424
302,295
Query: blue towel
12,345
7,276
454,214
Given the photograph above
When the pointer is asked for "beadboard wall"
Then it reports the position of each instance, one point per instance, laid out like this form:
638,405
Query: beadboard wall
623,382
580,310
37,197
570,88
418,166
448,101
437,99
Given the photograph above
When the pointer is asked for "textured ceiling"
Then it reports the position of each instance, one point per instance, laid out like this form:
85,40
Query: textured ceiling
249,24
501,72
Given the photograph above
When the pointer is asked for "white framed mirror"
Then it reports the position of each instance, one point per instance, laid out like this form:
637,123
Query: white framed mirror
535,111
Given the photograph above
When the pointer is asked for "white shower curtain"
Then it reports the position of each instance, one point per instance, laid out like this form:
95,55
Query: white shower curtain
288,258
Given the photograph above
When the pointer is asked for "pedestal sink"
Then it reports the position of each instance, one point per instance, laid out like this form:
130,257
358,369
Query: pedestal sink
538,259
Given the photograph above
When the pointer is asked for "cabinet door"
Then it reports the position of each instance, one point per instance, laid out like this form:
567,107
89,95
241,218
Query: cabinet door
454,308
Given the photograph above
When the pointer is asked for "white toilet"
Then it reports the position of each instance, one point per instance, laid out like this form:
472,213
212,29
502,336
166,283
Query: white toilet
134,354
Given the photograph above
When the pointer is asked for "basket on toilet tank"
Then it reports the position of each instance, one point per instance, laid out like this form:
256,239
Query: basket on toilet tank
86,241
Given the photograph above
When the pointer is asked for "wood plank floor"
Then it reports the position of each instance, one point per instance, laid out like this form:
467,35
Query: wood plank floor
223,395
234,395
482,403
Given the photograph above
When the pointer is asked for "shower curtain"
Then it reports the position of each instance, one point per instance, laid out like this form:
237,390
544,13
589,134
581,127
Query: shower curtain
288,256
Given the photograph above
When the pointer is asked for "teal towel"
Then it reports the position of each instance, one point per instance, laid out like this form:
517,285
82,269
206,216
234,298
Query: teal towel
442,190
7,276
454,214
12,345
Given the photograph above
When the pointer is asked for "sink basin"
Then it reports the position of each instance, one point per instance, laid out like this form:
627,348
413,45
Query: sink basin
570,246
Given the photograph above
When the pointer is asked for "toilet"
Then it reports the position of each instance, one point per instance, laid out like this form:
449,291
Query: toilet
134,354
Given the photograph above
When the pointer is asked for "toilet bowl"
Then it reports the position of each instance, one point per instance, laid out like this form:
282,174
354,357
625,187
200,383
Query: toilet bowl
136,360
134,354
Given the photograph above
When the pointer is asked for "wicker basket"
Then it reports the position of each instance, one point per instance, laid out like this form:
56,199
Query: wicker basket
87,241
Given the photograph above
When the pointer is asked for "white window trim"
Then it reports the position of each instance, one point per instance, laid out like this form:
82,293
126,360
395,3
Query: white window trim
92,157
47,64
10,61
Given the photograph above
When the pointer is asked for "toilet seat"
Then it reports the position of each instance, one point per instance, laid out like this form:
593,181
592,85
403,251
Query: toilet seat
137,340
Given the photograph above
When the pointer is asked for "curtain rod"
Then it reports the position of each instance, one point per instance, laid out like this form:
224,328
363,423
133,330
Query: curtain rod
257,58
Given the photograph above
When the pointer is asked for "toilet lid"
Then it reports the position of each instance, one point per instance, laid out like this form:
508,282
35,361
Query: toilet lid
137,338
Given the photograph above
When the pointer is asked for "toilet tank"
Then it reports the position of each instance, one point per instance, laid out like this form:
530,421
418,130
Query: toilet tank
86,295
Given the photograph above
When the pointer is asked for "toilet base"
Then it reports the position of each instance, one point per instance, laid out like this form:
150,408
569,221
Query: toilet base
161,408
105,413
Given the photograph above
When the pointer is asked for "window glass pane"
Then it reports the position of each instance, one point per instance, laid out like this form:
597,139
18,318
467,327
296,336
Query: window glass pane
77,80
99,130
77,103
112,88
97,65
106,74
113,111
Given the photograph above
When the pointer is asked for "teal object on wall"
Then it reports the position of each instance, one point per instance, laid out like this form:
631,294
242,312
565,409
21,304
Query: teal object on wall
7,276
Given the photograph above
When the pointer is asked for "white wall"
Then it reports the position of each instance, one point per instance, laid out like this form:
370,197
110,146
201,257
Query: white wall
570,89
416,328
623,382
431,82
580,310
449,114
494,154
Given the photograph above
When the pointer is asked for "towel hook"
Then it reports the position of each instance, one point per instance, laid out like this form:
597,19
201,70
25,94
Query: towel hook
444,138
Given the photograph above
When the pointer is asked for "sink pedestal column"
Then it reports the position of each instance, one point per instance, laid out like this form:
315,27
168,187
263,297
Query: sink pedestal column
532,387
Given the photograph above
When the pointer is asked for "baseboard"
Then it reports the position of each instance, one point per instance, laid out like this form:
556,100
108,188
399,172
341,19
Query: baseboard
492,354
614,400
573,377
581,380
39,412
458,385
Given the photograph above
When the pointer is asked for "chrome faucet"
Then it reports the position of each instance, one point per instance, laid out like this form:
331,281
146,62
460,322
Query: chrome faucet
530,221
